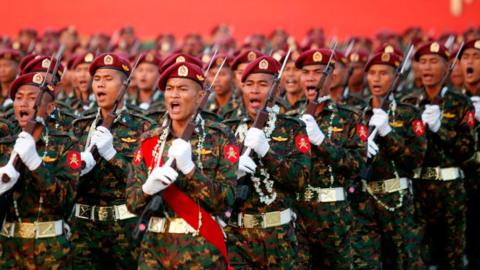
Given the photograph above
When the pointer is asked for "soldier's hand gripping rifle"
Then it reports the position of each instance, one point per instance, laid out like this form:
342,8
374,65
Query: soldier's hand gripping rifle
366,172
156,201
327,71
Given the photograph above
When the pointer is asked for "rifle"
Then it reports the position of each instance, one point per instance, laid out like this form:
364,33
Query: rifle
366,172
156,201
34,126
312,105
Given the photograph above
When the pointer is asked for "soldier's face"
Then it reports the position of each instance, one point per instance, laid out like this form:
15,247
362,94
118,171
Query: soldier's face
81,78
24,102
309,80
379,78
470,64
8,70
182,97
357,73
432,69
146,76
223,84
106,86
291,78
255,92
238,74
338,75
456,78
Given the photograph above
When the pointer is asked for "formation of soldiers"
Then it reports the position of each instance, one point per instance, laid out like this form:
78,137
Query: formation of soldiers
117,154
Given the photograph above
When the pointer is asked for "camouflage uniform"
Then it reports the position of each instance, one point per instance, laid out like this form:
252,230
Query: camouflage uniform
44,195
227,109
325,223
101,239
157,100
287,164
385,233
211,186
290,109
440,205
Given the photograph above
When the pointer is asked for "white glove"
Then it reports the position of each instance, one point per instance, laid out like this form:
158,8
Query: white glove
246,165
159,179
256,140
432,117
27,151
10,171
372,147
476,104
103,139
379,120
181,151
315,135
89,162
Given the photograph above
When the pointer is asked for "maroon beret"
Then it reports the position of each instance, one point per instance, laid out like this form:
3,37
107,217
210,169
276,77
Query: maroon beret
340,56
179,58
432,48
26,60
217,61
263,64
110,61
389,48
151,58
10,54
185,70
383,58
32,78
472,44
246,56
280,55
84,58
314,57
41,64
359,55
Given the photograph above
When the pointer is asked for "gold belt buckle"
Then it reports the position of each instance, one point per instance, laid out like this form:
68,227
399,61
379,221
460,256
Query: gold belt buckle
26,230
327,195
272,219
377,186
85,211
46,229
392,185
178,225
249,221
102,213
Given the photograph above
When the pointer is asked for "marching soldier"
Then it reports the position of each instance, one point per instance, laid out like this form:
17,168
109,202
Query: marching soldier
83,99
470,64
385,233
354,95
33,232
101,222
239,63
294,97
184,233
9,60
439,187
261,233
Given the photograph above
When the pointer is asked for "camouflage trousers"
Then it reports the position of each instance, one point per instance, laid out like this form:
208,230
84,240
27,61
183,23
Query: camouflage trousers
324,235
472,187
178,251
46,253
440,209
103,244
382,239
258,248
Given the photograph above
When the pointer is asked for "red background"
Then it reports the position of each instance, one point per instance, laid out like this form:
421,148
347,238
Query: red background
339,18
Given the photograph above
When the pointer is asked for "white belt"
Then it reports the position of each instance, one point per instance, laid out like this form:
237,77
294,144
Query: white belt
388,186
266,220
102,213
33,230
437,173
323,194
171,225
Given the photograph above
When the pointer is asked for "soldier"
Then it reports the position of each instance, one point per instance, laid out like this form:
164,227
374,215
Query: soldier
385,233
239,63
83,99
354,94
339,76
325,217
183,234
9,60
439,186
33,232
101,223
470,64
224,101
261,233
294,97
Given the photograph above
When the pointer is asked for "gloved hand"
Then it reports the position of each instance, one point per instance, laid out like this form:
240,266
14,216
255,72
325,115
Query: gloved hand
87,157
181,151
379,120
432,117
476,104
315,135
10,171
159,179
103,139
256,140
26,149
372,147
246,165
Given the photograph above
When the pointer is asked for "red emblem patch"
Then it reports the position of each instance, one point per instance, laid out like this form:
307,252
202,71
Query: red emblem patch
418,127
231,153
302,143
74,160
137,157
470,117
362,132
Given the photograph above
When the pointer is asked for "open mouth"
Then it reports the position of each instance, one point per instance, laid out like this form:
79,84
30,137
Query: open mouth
24,115
175,107
470,70
427,76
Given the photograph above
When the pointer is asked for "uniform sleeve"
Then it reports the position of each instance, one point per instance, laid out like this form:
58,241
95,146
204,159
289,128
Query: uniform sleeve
136,198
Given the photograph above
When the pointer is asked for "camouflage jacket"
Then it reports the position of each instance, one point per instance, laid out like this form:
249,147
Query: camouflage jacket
215,155
47,193
287,163
287,108
454,141
106,183
227,109
157,100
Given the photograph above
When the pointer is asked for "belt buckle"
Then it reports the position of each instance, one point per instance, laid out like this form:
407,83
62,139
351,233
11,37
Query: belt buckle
392,185
84,211
377,186
102,213
431,173
438,172
26,230
272,219
327,195
178,225
45,229
156,224
249,221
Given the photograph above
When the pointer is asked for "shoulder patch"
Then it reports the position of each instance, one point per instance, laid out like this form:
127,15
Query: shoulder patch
232,153
74,160
302,143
